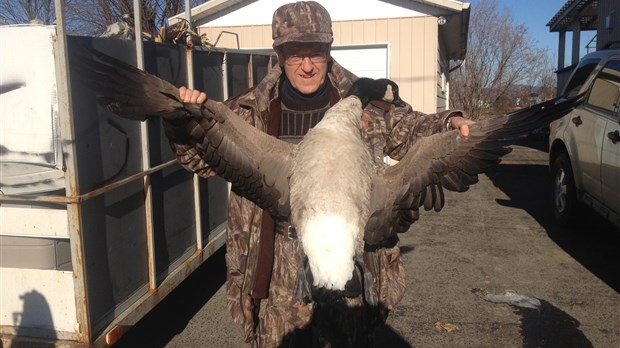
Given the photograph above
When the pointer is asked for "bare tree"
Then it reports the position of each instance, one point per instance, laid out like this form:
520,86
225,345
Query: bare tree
38,11
501,56
92,17
26,11
546,78
96,15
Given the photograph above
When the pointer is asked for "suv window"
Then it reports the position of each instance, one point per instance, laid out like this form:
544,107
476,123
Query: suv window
606,88
579,77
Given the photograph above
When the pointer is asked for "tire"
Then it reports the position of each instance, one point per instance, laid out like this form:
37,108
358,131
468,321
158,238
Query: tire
563,192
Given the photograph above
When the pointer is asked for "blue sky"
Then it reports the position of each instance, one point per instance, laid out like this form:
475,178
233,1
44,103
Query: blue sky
535,14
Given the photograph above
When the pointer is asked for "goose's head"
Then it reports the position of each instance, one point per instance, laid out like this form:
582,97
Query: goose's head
367,89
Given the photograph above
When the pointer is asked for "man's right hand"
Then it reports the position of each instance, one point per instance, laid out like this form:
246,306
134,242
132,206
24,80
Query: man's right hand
192,96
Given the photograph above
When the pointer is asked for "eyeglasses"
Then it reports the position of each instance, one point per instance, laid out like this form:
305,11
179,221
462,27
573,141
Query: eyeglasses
314,58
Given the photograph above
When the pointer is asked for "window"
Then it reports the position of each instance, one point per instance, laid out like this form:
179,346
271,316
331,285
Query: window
605,92
579,77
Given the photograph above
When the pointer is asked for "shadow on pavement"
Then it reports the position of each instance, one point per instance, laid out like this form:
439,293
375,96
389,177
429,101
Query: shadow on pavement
550,327
594,243
171,316
337,325
388,337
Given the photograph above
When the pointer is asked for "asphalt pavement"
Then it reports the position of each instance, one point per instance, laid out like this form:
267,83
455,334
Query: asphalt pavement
499,236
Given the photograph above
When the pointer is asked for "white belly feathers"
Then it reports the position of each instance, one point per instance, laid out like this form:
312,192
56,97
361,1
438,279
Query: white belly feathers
330,187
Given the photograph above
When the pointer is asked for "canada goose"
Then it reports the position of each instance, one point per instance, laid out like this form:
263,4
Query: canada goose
336,199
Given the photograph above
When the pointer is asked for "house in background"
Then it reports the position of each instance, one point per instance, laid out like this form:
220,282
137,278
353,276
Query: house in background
413,42
575,16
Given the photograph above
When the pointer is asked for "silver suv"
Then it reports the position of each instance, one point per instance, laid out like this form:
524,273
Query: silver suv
584,145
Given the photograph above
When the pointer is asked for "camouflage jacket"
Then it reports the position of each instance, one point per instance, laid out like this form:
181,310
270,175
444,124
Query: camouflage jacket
389,131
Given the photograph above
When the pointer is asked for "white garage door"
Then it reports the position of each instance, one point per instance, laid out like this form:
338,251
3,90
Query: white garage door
364,61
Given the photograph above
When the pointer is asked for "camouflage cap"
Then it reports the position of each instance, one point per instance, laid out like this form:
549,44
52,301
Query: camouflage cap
303,21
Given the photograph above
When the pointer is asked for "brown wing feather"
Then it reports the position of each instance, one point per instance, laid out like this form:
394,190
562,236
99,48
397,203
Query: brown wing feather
448,160
206,138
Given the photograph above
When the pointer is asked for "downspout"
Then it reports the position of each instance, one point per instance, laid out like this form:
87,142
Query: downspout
460,64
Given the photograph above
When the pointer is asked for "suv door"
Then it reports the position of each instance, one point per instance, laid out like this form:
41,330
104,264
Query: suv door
610,171
599,138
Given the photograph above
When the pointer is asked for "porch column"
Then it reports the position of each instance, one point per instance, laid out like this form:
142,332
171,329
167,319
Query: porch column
561,49
576,40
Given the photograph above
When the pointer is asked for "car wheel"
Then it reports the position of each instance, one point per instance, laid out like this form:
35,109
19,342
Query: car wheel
563,197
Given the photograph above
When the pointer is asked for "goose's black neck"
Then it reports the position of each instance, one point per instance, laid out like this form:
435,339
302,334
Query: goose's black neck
367,89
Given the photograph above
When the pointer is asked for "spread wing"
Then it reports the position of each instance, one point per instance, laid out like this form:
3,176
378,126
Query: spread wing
207,137
451,161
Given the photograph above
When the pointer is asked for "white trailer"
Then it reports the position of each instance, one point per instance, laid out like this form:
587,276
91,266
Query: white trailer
98,221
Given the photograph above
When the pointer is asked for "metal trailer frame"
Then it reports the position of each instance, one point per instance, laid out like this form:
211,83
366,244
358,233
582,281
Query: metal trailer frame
97,332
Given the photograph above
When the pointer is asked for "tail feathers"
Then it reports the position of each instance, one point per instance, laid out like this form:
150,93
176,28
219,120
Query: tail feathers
126,90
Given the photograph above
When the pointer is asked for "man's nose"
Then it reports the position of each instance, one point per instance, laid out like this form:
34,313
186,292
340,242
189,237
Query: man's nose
306,64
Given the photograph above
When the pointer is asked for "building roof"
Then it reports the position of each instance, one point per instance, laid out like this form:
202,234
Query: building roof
583,10
202,12
212,10
454,32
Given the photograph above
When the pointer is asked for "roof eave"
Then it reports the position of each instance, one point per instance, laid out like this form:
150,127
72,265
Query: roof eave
445,4
202,12
455,33
568,12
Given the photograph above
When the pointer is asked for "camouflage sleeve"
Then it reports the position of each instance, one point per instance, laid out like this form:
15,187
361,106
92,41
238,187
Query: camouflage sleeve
403,126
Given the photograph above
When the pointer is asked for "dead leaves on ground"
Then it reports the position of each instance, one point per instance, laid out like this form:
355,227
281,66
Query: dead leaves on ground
447,327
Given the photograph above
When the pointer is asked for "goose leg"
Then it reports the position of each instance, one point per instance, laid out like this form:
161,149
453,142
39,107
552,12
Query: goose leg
370,297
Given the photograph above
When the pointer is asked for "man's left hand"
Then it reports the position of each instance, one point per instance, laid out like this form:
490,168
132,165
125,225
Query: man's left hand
462,124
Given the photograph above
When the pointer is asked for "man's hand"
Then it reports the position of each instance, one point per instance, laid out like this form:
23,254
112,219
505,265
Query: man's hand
462,124
192,96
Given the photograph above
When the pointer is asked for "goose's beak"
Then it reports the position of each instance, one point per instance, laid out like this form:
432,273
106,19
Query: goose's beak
399,102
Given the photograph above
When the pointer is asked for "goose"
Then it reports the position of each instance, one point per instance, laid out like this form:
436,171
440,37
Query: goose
338,200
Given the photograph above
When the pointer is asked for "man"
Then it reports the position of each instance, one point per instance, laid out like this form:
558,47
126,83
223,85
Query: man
263,255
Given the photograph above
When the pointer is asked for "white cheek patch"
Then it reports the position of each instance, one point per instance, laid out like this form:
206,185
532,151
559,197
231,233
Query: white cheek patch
389,94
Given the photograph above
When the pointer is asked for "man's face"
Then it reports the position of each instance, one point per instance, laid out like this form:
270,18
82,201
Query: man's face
305,64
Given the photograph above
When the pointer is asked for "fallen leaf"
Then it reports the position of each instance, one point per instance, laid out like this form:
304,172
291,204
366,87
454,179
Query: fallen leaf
445,326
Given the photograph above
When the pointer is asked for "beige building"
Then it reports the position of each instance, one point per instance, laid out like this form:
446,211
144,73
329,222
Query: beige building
414,42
